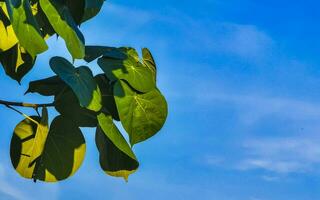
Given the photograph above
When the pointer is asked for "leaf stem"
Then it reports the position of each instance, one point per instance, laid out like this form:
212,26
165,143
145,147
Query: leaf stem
26,105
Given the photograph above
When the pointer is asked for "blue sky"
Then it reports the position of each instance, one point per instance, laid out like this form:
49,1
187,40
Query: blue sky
242,82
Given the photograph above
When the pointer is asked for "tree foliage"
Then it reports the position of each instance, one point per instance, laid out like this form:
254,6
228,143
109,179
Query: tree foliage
126,92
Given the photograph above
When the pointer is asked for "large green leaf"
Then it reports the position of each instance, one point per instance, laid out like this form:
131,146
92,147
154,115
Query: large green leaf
61,154
16,62
67,104
62,22
7,35
26,27
80,80
108,102
47,87
116,157
142,115
138,75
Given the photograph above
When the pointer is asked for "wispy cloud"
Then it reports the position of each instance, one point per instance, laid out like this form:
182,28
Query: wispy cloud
282,155
253,107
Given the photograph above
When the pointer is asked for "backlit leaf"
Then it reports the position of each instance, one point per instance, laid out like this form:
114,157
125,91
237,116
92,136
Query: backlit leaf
26,27
142,115
62,22
139,76
7,35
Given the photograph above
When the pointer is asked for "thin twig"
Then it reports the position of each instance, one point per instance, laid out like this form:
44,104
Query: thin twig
27,105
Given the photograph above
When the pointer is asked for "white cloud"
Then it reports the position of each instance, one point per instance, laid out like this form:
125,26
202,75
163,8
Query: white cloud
254,106
282,155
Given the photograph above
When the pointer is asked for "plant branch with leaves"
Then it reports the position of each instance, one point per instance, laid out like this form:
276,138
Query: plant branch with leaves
126,91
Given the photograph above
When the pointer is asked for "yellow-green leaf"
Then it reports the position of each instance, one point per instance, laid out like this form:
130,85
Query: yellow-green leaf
142,114
7,35
26,27
61,155
62,22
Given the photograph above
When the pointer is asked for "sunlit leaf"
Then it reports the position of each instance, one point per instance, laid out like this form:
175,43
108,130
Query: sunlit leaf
139,76
62,22
32,136
26,27
116,157
80,80
61,153
7,35
142,115
149,61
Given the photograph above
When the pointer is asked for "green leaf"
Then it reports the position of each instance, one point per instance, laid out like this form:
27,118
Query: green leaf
116,157
108,102
62,22
142,115
26,27
81,82
47,87
16,62
67,104
62,150
139,76
7,35
149,61
94,52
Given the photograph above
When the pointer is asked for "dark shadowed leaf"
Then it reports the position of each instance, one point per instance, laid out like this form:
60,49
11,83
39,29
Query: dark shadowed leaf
83,10
142,115
116,157
67,104
108,102
16,62
47,87
94,52
81,82
91,9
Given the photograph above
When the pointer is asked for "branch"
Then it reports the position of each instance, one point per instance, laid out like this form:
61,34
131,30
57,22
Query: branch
27,105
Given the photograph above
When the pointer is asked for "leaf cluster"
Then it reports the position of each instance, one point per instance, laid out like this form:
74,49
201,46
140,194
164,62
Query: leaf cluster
126,91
